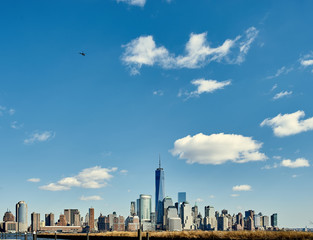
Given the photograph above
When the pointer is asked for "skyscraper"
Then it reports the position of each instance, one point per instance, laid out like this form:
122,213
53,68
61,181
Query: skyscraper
145,207
182,197
159,193
21,216
132,209
92,218
274,220
35,221
49,219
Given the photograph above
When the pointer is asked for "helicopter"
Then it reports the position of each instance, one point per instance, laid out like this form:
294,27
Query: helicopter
82,53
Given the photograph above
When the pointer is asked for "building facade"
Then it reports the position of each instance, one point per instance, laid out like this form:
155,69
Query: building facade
159,193
21,216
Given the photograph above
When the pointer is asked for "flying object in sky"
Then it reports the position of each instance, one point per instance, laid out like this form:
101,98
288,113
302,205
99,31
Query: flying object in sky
82,53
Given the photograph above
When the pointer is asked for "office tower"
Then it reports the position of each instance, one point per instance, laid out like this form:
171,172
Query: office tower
91,218
194,211
101,223
171,213
145,207
222,223
62,220
132,209
159,193
181,198
67,215
209,211
274,220
250,224
49,219
71,215
266,222
167,202
138,207
35,221
186,218
249,213
257,220
239,221
21,216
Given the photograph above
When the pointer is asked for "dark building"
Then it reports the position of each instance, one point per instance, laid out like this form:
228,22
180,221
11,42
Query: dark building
249,213
159,193
92,219
101,223
49,219
274,220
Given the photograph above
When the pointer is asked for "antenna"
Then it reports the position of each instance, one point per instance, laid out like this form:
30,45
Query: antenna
159,161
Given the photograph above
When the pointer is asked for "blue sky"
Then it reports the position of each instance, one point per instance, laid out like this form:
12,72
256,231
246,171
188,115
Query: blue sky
220,89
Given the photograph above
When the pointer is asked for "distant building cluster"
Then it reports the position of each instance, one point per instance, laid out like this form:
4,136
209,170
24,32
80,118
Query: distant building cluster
166,216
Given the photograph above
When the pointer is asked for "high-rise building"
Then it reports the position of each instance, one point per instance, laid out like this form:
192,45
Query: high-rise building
182,197
186,217
167,202
209,211
91,219
159,193
194,211
35,221
21,216
72,217
49,219
132,209
266,222
274,220
145,207
249,213
222,223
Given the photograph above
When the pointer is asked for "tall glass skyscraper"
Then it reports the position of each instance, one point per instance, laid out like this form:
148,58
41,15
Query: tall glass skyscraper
21,216
145,207
159,193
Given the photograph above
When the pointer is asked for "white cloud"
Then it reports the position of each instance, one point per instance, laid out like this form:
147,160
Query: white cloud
143,51
240,188
295,176
206,86
289,124
282,94
282,71
139,3
217,149
16,125
94,177
11,111
267,167
54,187
39,137
307,62
274,87
234,195
124,172
90,198
35,180
299,162
211,196
158,93
199,200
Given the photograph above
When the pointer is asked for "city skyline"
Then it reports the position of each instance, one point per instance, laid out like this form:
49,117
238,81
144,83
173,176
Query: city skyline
92,91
